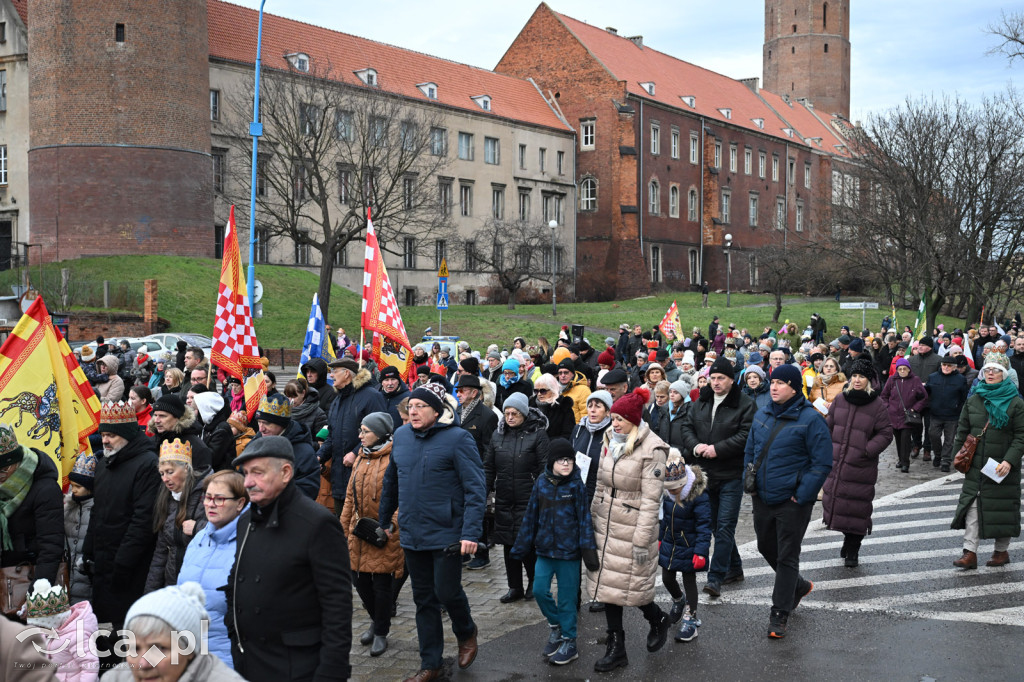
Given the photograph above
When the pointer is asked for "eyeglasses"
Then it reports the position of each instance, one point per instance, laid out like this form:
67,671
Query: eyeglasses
564,460
541,391
217,500
511,414
509,372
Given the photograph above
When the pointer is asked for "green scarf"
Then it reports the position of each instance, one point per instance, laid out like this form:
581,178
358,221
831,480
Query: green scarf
13,492
997,398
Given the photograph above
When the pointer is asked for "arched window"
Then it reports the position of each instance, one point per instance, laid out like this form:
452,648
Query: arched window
588,195
691,205
673,201
655,198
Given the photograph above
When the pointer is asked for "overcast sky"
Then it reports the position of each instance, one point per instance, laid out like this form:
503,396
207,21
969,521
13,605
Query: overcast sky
899,49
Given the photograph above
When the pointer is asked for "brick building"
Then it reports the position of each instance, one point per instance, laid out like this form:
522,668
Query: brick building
672,157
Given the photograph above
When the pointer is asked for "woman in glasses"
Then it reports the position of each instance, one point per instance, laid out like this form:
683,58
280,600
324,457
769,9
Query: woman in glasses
211,553
557,407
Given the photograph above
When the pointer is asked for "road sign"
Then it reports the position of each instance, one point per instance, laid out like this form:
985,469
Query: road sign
442,293
443,271
861,305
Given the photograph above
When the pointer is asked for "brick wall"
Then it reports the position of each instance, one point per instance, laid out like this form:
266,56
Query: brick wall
87,326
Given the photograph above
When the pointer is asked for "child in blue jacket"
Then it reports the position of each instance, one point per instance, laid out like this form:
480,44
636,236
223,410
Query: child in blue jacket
685,539
558,528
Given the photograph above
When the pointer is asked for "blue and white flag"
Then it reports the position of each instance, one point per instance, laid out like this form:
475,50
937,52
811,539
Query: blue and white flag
317,343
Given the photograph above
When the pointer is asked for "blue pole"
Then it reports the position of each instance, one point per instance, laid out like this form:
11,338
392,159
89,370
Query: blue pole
256,131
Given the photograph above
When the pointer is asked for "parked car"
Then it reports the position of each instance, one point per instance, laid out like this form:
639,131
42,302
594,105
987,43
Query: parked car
449,342
170,341
154,347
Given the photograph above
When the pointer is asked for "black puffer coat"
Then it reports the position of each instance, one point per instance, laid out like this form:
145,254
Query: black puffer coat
217,436
188,428
37,526
512,462
326,393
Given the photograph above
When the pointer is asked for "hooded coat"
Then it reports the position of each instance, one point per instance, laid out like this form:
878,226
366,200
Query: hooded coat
861,431
561,415
513,460
579,391
309,413
76,525
79,627
367,482
353,402
827,388
625,513
685,529
171,541
188,429
36,527
325,393
216,434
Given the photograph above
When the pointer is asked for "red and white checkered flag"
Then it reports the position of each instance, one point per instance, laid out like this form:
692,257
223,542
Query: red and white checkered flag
234,338
380,310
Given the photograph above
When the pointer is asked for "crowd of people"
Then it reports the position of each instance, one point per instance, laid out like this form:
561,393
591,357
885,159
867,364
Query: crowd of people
597,469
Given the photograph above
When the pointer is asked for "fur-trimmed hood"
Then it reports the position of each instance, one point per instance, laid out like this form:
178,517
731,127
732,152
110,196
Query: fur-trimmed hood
361,378
700,484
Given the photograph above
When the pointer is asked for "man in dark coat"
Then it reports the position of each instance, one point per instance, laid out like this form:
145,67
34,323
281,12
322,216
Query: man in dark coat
357,397
289,594
480,421
120,540
315,371
274,418
885,356
435,470
947,390
714,435
923,364
622,348
394,391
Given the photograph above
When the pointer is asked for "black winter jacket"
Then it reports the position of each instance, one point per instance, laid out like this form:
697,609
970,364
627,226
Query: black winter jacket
560,415
307,468
171,541
37,526
512,462
391,401
326,393
217,436
309,413
671,430
481,423
353,402
188,429
728,433
948,393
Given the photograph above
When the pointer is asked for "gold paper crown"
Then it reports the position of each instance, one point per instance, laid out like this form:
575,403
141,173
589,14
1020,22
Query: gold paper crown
118,413
51,602
276,408
176,451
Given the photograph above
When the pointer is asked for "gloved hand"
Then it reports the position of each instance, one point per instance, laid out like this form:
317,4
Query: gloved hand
590,559
640,555
699,562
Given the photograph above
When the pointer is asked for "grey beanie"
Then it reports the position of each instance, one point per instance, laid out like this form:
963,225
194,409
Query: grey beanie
602,395
380,423
183,607
754,369
681,386
518,402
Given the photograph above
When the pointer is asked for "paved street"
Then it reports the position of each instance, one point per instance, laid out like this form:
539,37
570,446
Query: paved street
904,614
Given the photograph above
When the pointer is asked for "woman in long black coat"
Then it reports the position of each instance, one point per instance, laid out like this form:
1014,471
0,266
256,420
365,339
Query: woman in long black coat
558,409
34,529
861,430
515,457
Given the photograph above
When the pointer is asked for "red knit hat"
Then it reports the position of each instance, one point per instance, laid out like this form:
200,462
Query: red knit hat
631,406
606,358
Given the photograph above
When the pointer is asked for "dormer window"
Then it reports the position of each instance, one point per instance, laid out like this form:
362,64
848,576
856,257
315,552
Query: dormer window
368,76
428,89
759,122
648,87
690,100
727,113
484,101
299,61
788,132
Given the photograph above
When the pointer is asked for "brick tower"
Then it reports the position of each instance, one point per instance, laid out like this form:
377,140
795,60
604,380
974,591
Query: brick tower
807,52
119,137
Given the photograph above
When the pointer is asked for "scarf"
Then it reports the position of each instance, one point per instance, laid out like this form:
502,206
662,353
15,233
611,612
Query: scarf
467,408
779,409
997,398
617,444
599,426
859,398
13,492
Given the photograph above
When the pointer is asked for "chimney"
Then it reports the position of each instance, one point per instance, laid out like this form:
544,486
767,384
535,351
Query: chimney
638,41
751,83
611,29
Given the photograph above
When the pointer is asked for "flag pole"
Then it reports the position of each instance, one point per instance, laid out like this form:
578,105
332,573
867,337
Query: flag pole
256,132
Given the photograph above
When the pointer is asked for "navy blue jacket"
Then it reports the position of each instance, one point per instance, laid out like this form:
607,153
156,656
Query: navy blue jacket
436,482
800,457
352,403
685,528
948,394
557,523
391,401
307,470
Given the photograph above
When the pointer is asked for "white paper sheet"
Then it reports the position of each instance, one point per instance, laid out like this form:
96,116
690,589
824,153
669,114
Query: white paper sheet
990,470
820,405
583,462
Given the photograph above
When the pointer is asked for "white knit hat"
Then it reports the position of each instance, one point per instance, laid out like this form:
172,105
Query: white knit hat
180,606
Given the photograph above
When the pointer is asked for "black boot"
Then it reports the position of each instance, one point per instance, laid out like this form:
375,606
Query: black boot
678,605
659,631
845,548
615,654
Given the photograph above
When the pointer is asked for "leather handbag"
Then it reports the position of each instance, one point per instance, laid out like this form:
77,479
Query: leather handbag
910,416
965,455
15,583
366,529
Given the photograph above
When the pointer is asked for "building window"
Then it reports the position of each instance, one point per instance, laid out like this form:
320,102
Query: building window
470,297
408,193
542,157
732,158
378,131
655,264
694,273
341,258
471,265
262,245
588,195
587,135
807,175
753,210
552,208
3,90
761,165
691,205
466,146
261,174
498,203
674,143
345,185
775,168
799,217
218,241
409,253
302,248
522,156
824,18
780,214
524,206
309,119
3,31
748,159
410,296
343,126
492,151
837,188
438,141
444,197
673,201
655,138
654,198
718,154
299,181
560,162
791,172
726,206
119,33
407,136
755,276
214,105
465,200
440,253
218,170
694,149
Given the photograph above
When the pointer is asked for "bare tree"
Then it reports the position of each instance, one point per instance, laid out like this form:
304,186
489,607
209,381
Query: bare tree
790,261
516,252
331,151
1010,29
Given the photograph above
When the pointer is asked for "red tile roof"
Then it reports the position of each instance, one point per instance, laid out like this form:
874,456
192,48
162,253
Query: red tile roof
807,127
233,37
21,6
712,92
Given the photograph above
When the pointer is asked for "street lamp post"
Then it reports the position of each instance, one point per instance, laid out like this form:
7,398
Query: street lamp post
728,270
554,306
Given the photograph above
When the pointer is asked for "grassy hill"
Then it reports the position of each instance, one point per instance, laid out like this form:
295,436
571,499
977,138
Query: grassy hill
188,298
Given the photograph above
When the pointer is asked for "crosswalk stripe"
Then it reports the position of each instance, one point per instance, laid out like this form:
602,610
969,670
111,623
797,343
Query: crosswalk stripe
1001,588
936,509
808,567
873,540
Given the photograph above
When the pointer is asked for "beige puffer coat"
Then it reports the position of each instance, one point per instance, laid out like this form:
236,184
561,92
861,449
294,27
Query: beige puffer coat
366,484
625,513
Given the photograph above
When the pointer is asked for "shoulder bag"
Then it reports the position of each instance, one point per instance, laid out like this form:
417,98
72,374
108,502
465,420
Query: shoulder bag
16,581
909,416
750,475
366,529
965,455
